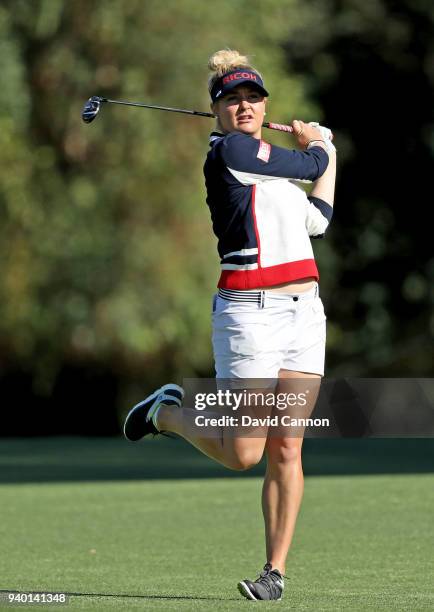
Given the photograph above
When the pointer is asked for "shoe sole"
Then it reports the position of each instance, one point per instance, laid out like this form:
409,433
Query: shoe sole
151,397
247,593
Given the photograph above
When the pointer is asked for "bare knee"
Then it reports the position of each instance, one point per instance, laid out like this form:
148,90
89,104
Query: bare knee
284,451
244,459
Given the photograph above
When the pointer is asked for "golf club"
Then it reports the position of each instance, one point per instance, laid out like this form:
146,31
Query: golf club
93,105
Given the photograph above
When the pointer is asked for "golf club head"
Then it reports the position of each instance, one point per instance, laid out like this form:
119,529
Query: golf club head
91,109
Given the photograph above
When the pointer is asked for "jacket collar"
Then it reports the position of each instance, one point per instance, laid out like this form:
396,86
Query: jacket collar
214,136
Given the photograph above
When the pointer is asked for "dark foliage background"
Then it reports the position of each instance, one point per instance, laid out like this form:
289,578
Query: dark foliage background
108,262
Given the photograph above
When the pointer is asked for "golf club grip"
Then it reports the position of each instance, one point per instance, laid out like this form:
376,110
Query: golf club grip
282,127
277,126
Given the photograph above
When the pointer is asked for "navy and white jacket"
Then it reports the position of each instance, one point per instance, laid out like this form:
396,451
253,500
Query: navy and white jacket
261,219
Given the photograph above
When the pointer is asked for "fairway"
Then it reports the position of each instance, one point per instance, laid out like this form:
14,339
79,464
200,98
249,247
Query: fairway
362,543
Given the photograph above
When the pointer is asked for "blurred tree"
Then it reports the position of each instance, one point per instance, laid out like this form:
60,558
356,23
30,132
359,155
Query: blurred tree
107,257
107,253
371,66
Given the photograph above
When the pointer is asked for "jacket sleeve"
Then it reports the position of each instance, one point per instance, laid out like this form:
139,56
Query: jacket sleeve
318,216
244,154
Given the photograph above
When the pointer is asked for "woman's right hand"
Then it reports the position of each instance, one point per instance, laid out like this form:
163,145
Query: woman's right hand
304,133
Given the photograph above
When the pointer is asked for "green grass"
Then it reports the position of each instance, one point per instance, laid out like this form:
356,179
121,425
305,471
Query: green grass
362,542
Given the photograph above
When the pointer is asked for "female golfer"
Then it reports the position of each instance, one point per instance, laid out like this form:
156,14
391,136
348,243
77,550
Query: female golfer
268,319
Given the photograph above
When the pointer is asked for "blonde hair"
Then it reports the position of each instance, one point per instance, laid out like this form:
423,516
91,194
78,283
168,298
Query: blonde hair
225,61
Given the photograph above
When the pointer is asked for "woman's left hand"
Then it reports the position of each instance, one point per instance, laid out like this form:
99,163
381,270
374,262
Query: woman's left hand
304,132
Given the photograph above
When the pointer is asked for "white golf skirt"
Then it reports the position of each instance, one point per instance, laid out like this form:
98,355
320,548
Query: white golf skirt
257,333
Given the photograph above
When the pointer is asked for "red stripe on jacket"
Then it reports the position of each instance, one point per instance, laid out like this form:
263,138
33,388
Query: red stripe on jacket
267,277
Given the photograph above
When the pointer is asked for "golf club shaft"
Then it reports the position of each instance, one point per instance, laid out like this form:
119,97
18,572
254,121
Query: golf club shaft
269,125
165,108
